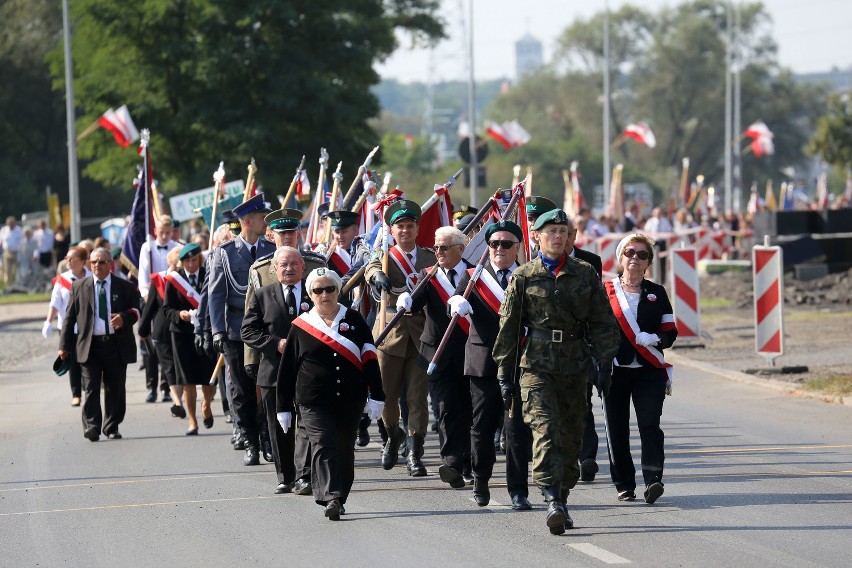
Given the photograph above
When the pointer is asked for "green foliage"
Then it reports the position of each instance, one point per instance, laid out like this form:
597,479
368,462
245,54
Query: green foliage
833,137
231,80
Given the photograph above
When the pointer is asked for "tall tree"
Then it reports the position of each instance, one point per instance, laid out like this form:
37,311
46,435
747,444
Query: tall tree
235,79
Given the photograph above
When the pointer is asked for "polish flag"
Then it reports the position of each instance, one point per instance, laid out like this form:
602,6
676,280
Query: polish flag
435,213
303,186
763,146
121,125
509,134
758,130
641,133
498,133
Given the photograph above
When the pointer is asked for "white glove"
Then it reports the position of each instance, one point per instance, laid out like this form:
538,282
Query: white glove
403,302
376,407
647,339
46,329
459,305
285,419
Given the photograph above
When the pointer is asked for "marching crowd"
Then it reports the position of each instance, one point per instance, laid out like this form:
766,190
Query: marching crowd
310,343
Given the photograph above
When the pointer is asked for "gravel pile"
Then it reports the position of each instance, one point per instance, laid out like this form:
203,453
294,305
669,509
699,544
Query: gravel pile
832,291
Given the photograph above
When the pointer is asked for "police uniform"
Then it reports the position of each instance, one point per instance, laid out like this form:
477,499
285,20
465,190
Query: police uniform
557,311
398,354
229,266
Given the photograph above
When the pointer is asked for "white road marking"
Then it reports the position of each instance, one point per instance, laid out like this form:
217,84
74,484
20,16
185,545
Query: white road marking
599,553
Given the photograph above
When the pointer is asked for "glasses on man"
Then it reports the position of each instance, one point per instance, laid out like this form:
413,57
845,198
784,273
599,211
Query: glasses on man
443,248
640,254
98,262
500,243
326,289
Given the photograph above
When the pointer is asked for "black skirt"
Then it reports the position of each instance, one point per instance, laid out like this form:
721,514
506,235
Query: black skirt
190,367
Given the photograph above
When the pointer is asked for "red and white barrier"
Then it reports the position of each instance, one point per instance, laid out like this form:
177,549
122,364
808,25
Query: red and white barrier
767,269
686,293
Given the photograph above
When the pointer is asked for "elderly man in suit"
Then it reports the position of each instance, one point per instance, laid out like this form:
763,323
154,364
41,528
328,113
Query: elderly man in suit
265,327
104,308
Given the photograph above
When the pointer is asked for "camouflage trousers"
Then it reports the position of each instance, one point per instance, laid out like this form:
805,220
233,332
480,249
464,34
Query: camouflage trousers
555,409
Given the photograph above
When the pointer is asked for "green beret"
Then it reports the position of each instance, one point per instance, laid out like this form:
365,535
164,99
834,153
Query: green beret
189,250
402,209
341,219
61,366
283,224
536,205
552,217
504,226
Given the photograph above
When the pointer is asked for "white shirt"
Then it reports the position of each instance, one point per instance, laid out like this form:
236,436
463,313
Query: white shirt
297,293
460,269
60,295
100,328
412,254
155,261
10,239
44,240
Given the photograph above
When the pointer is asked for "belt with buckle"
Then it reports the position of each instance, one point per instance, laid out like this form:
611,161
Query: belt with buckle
554,335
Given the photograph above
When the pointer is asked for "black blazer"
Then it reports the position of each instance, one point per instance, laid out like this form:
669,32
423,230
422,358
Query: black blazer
265,323
153,323
485,323
175,302
124,300
436,324
591,258
649,316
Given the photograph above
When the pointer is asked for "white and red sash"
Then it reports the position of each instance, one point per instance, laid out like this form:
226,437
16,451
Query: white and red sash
489,289
158,282
341,260
311,323
404,263
184,287
627,321
64,280
445,290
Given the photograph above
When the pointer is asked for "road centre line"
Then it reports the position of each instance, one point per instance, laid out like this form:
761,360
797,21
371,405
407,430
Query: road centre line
598,553
761,449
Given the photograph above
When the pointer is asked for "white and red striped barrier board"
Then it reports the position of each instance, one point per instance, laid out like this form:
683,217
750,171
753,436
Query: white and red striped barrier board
686,293
767,267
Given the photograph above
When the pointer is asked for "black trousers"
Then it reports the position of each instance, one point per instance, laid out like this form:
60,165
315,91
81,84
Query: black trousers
451,393
166,358
589,450
243,392
518,450
104,366
647,388
331,431
302,450
283,444
487,408
75,375
152,366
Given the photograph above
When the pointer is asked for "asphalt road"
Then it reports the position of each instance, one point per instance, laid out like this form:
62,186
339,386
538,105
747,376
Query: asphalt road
753,478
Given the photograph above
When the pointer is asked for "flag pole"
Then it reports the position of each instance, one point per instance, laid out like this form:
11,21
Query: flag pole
89,129
606,101
73,178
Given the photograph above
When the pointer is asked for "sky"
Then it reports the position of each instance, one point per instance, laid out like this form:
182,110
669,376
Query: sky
812,35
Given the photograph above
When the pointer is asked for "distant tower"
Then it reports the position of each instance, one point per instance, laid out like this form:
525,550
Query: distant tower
528,55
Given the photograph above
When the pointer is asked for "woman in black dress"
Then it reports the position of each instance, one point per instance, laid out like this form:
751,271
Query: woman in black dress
328,368
180,308
640,371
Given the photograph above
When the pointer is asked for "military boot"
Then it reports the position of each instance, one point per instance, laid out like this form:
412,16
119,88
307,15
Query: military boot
383,432
555,510
415,452
569,522
390,452
252,456
266,444
363,433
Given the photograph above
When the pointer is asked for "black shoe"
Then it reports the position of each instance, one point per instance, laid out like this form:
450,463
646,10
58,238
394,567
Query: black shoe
284,488
178,411
481,494
520,503
266,450
383,432
167,397
92,435
569,522
451,476
390,453
626,495
114,435
208,422
239,441
152,396
332,510
653,492
363,432
302,487
192,432
251,457
405,448
556,517
588,469
413,463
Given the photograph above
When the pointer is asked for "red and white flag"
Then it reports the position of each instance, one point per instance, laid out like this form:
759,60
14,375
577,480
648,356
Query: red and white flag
509,134
303,186
758,130
763,146
121,125
641,133
436,212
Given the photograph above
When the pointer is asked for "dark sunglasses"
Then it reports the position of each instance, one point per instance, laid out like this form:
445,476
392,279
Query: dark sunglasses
443,248
497,243
641,254
99,262
326,289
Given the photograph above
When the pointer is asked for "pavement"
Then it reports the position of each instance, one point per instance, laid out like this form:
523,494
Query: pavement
29,311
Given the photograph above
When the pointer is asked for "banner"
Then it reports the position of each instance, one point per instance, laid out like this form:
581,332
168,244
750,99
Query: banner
183,207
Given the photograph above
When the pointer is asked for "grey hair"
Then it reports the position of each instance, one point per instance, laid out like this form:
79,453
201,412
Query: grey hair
455,236
317,273
103,250
279,252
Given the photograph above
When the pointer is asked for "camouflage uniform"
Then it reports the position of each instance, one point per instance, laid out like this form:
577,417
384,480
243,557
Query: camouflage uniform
554,373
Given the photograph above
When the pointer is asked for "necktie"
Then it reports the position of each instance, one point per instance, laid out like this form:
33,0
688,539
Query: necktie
253,252
103,312
291,302
192,280
504,279
451,273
